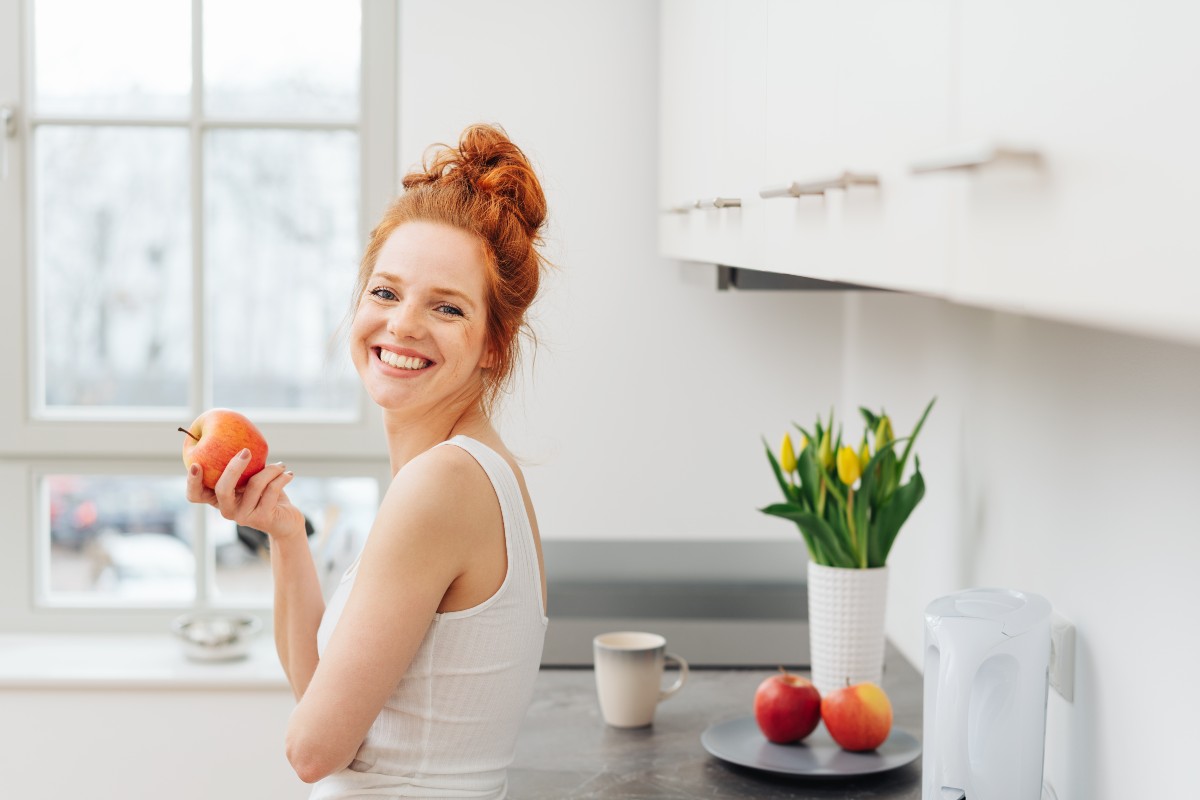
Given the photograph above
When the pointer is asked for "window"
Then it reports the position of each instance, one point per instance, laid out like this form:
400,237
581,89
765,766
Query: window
185,194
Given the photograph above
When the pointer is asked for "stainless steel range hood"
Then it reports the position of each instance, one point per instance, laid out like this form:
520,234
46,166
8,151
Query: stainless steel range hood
719,604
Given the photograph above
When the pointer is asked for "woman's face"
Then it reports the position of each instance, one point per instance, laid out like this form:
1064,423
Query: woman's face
418,336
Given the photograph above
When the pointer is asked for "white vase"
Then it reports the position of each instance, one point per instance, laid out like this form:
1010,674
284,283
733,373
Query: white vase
845,625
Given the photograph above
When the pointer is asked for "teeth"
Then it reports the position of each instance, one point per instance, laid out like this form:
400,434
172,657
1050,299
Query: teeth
399,361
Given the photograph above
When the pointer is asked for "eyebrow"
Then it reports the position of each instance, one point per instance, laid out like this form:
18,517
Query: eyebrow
391,278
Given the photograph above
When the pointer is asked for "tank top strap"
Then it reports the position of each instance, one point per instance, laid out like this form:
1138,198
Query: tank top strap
518,530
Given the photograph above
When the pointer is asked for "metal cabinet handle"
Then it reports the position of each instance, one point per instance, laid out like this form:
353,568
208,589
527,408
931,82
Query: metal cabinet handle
977,158
844,180
8,120
680,209
719,202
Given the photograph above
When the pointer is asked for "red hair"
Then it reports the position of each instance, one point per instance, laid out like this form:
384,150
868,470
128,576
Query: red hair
485,186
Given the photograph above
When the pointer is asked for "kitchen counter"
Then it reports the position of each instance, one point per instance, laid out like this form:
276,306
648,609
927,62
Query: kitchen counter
566,751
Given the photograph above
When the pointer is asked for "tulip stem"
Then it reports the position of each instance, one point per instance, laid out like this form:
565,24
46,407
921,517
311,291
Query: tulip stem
189,433
862,552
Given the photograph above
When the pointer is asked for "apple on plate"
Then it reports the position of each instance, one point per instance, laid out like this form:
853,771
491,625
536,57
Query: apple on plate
787,707
216,437
858,717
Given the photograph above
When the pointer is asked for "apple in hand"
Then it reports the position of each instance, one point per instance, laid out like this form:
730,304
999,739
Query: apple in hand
786,707
858,717
216,437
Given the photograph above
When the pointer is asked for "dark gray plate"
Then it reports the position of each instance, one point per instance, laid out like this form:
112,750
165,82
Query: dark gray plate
739,741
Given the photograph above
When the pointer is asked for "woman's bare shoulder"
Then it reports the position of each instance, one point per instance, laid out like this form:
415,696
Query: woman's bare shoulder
446,476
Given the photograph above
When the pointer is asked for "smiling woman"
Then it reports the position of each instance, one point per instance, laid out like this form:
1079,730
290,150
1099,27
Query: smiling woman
484,188
414,679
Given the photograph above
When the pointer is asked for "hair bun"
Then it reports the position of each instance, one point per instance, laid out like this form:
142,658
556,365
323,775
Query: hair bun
489,164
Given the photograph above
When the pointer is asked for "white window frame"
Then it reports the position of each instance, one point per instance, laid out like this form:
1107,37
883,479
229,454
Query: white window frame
110,441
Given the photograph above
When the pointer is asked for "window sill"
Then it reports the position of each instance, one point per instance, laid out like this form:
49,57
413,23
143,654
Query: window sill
111,661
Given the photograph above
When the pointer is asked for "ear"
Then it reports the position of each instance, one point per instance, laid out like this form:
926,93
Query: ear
489,358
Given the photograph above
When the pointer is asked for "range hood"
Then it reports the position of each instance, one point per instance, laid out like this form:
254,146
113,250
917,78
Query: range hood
719,604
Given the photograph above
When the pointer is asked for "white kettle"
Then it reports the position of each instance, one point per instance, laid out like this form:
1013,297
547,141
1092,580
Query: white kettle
987,661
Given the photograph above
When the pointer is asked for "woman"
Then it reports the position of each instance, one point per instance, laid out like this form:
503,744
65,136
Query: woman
413,682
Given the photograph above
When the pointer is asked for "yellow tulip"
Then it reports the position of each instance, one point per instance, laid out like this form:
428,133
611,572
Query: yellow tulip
848,467
883,432
787,459
803,444
825,452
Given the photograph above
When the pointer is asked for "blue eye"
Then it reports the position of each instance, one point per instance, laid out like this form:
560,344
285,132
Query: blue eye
383,294
453,310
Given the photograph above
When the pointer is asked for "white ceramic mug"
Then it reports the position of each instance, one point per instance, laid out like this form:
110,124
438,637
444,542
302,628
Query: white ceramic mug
629,668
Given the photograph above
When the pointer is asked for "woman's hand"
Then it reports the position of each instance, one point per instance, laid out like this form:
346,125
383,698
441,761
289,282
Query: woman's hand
260,504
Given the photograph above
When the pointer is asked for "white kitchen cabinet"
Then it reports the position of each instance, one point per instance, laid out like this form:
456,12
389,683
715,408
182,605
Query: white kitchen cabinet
803,47
1105,93
893,88
855,88
1093,227
116,743
711,130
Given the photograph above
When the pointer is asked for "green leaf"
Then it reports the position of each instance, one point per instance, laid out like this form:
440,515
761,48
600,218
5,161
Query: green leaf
776,510
892,516
831,483
871,420
789,491
833,549
810,475
912,438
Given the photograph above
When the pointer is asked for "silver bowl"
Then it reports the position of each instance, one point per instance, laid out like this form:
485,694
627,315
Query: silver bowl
216,636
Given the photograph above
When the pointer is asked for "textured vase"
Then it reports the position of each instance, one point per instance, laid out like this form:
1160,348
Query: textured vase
845,625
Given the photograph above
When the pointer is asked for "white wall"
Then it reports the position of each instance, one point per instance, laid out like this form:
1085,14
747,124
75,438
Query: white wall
641,415
1059,460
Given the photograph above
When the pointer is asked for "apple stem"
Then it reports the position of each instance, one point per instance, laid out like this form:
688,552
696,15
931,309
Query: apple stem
782,670
189,433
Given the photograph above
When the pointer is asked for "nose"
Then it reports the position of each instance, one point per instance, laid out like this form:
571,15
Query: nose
406,320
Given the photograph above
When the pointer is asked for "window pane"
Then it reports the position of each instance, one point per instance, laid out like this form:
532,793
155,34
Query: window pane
281,58
281,212
113,254
123,538
130,57
341,511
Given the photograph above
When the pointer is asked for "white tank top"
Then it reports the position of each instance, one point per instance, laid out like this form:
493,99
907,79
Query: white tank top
450,727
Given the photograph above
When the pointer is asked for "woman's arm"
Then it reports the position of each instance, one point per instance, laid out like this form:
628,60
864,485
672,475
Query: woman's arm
299,607
262,504
421,542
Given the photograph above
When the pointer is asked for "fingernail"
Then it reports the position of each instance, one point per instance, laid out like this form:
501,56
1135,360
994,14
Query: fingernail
244,454
290,474
195,470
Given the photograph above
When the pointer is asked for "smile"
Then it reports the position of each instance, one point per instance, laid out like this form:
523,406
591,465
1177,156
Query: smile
401,362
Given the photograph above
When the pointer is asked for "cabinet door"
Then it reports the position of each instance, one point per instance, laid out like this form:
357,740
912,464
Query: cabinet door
860,86
690,33
711,123
1105,92
739,230
893,103
803,49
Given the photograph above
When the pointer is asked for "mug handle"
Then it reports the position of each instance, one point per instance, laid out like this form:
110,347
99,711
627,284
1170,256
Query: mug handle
678,684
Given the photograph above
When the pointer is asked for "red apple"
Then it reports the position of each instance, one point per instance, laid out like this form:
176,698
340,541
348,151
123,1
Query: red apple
786,707
858,717
216,437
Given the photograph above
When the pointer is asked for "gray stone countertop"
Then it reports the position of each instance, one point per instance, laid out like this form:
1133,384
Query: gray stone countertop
566,751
